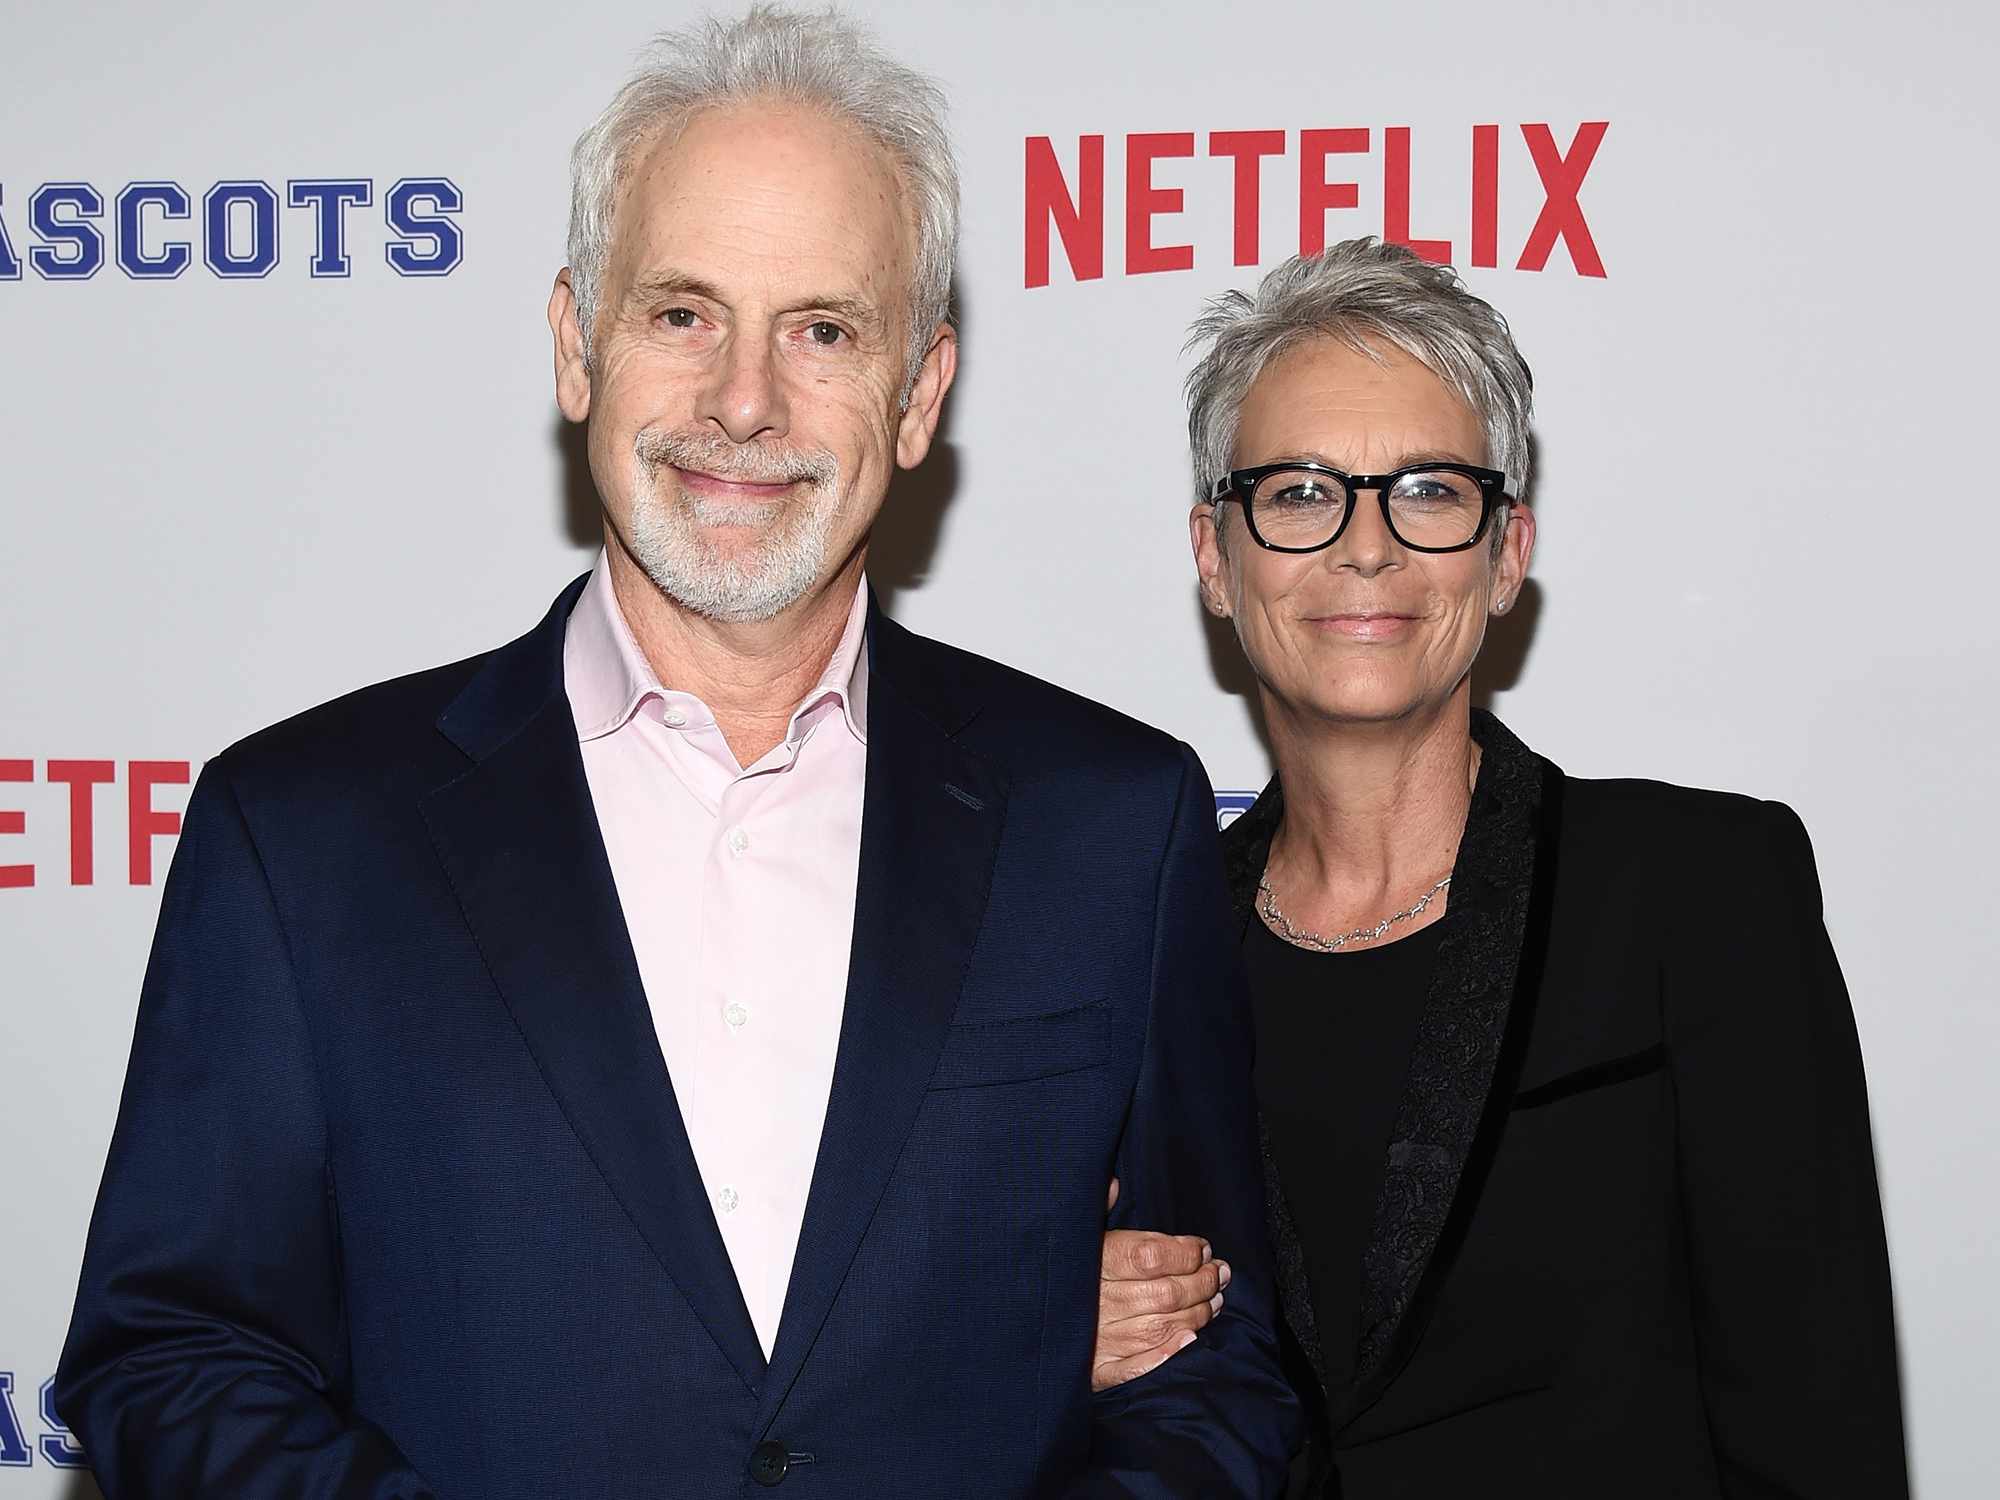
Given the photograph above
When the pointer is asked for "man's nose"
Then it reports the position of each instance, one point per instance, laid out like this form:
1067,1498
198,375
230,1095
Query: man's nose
744,394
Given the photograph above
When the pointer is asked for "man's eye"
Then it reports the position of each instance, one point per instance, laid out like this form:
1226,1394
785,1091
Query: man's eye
826,334
678,317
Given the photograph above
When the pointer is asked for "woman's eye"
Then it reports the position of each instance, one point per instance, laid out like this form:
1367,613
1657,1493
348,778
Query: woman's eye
1307,493
678,317
825,334
1434,489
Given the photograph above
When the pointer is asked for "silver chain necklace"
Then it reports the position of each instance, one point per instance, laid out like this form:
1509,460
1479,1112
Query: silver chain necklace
1298,937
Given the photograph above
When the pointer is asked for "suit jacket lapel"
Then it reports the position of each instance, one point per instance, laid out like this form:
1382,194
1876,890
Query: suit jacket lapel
1246,849
518,836
1475,1025
1470,1040
931,821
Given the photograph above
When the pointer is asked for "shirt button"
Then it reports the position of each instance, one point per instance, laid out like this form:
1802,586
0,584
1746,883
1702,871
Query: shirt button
728,1199
674,718
739,841
736,1013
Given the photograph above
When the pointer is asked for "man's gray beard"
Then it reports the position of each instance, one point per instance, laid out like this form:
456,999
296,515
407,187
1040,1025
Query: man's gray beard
669,525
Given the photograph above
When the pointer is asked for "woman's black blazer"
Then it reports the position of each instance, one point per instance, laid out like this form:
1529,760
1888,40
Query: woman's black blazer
1629,1242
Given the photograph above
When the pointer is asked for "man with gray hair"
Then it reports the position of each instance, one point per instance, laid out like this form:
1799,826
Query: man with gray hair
684,1052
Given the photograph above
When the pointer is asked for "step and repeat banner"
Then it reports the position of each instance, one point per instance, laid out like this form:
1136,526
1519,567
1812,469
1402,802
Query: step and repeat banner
278,421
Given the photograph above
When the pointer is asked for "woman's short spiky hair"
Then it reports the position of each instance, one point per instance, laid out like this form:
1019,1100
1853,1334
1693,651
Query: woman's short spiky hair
1359,291
820,59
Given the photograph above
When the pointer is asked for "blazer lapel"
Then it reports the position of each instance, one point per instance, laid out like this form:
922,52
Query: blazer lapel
1246,849
932,815
1475,1025
1470,1039
518,836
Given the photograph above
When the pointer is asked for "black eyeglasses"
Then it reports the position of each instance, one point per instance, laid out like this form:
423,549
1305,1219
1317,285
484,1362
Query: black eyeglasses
1301,507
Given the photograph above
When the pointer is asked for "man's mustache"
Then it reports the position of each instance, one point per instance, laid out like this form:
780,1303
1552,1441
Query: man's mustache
748,463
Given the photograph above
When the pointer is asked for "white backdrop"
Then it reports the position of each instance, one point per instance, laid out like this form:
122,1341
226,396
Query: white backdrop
1768,536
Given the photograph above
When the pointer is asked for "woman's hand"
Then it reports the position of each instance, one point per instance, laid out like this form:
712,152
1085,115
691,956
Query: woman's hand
1155,1291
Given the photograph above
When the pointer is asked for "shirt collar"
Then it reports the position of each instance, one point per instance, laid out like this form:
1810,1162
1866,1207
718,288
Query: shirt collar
609,680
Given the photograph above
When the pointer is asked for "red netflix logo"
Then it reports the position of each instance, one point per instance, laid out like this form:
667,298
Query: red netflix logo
144,822
1076,213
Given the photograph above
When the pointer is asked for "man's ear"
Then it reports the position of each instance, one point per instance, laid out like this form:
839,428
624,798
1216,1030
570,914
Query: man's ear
572,371
919,422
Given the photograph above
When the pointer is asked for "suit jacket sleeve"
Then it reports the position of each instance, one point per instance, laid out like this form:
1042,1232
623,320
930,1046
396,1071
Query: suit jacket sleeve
1793,1316
1218,1419
207,1354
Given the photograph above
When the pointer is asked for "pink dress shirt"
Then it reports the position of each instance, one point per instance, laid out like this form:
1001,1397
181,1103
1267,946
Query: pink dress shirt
737,885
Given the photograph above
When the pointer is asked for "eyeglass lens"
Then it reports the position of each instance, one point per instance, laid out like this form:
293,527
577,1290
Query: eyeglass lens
1427,508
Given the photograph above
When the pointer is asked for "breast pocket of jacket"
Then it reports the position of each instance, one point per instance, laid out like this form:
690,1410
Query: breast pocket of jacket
984,1054
1592,1079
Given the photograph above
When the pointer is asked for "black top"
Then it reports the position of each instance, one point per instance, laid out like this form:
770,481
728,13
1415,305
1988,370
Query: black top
1334,1033
1627,1238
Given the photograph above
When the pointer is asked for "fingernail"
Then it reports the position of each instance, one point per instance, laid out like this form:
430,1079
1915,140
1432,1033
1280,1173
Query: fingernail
1186,1338
1207,1252
1224,1279
1215,1303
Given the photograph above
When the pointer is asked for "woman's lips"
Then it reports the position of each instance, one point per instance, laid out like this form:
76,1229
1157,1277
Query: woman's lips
1372,625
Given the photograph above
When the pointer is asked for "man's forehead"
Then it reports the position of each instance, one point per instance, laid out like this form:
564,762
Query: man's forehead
767,187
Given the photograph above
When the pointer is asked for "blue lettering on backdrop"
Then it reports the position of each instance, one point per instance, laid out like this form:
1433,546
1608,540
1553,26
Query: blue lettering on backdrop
59,1449
14,1450
414,205
219,245
330,197
10,263
1229,806
85,257
174,256
239,228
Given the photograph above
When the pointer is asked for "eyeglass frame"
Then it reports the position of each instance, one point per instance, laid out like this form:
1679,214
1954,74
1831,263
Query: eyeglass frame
1240,484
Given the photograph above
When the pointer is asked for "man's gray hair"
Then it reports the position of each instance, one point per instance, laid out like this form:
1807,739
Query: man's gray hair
819,59
1358,291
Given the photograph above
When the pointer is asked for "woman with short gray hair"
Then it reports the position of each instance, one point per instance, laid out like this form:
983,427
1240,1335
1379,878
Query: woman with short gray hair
1566,1137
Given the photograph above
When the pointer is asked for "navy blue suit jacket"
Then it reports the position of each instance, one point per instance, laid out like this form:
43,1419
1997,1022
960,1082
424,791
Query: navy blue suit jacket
399,1202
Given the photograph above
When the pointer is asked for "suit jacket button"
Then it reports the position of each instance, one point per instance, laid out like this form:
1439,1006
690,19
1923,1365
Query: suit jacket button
769,1462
